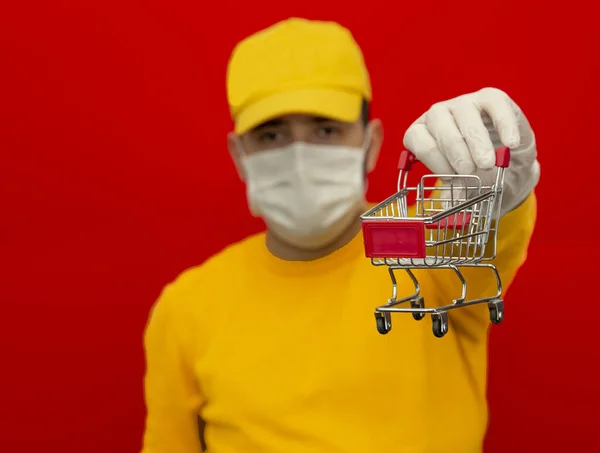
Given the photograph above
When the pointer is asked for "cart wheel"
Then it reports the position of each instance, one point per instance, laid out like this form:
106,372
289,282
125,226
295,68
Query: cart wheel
440,323
496,308
384,322
419,302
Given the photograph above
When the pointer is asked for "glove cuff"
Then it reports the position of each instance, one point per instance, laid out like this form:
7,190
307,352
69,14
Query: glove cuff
519,183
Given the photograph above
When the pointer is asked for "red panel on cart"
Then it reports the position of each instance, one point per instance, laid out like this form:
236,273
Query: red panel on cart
456,221
394,239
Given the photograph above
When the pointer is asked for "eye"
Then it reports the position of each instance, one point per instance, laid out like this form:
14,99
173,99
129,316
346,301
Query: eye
328,131
269,136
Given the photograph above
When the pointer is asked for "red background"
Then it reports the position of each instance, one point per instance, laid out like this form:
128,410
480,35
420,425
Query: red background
114,177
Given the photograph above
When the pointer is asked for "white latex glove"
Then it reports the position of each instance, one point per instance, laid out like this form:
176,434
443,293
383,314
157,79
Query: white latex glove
459,136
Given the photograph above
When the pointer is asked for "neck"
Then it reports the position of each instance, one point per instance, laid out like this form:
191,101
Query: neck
288,252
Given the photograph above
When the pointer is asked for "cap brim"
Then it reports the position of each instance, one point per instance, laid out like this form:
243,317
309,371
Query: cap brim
328,103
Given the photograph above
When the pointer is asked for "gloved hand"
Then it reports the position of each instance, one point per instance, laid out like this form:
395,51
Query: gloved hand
459,136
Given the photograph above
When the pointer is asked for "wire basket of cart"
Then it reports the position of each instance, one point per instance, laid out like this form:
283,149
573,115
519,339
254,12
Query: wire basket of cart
453,226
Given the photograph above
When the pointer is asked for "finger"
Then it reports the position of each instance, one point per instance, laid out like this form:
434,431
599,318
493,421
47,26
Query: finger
441,125
504,118
424,146
467,117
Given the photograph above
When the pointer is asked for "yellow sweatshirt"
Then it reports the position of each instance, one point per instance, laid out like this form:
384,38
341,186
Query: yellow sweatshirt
285,357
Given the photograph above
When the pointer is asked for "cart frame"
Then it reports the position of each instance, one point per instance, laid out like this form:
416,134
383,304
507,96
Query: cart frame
456,229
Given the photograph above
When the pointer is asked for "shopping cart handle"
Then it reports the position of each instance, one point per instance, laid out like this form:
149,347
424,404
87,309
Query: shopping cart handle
503,157
407,158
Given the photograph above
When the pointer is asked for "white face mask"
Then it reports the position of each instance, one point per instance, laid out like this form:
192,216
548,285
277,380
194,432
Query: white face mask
307,194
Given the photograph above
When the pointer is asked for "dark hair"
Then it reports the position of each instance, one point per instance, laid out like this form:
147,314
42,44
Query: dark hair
365,114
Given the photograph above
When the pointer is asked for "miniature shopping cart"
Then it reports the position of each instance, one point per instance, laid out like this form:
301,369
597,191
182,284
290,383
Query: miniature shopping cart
454,225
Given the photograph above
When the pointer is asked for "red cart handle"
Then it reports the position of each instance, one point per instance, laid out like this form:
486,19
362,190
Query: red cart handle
407,158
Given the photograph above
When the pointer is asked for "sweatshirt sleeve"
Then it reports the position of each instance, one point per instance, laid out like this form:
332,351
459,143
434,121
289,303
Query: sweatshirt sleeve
172,394
515,230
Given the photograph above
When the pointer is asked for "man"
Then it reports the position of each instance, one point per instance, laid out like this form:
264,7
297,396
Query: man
272,344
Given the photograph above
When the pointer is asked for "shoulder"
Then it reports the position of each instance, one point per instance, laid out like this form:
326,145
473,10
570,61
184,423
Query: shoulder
209,279
189,302
225,260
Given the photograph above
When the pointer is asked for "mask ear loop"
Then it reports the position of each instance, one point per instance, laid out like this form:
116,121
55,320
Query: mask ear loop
365,147
243,162
367,141
239,148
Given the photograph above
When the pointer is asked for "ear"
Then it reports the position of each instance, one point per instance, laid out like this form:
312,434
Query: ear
375,145
235,151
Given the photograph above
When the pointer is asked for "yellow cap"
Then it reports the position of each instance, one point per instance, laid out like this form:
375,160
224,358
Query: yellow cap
297,66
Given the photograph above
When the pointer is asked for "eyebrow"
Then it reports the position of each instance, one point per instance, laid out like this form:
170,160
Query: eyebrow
270,123
279,122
